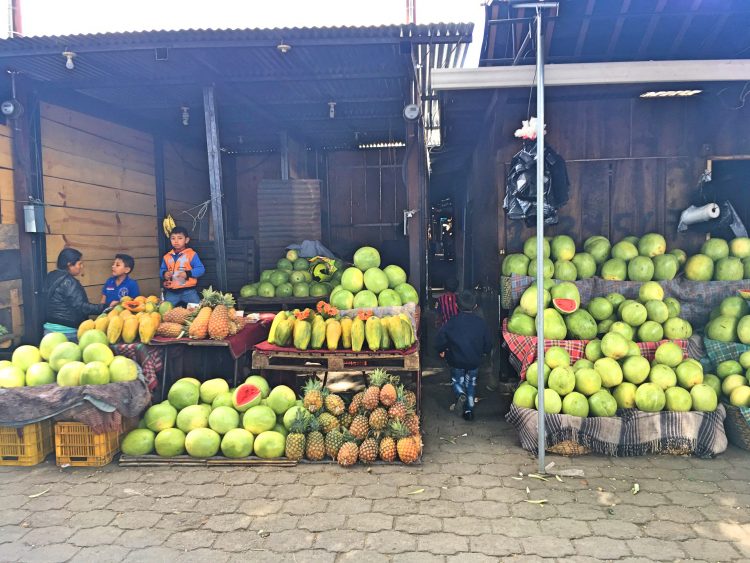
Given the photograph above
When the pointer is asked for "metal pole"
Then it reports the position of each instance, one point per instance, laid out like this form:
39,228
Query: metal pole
540,234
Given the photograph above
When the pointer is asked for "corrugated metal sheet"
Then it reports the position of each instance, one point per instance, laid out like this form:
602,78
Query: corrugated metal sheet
288,213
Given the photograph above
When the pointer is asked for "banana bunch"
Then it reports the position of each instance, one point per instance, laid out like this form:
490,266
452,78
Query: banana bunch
168,224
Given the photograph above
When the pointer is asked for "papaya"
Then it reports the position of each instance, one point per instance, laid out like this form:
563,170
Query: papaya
333,334
149,307
318,335
358,334
164,307
101,322
115,312
88,324
134,306
146,329
373,333
396,331
346,333
408,328
156,319
153,299
125,299
125,314
385,339
302,334
283,331
129,329
114,329
280,316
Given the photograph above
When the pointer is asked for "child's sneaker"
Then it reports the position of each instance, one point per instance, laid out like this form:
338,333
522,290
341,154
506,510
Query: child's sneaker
458,408
469,415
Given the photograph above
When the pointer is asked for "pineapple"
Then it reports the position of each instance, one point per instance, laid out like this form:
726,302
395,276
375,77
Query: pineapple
359,427
348,453
233,328
410,398
387,448
333,442
356,403
378,418
170,330
219,322
398,409
368,450
334,404
328,422
409,447
177,315
199,325
315,449
388,391
295,440
346,420
411,421
371,398
313,395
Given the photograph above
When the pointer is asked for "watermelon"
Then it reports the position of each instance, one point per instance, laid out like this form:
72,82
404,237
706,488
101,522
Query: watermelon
565,306
245,396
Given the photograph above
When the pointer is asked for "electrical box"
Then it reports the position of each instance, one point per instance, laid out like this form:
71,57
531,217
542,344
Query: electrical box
33,217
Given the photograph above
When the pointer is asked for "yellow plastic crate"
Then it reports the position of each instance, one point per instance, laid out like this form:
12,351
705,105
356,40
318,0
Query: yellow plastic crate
27,445
76,445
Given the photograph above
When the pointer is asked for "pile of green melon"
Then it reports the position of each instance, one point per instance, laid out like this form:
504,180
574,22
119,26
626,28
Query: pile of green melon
208,419
366,285
730,321
720,260
613,376
734,380
57,360
295,277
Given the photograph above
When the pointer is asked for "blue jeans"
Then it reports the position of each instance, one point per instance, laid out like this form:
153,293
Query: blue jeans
464,382
182,296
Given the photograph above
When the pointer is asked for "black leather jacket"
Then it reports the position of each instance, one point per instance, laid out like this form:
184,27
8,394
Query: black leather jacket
67,302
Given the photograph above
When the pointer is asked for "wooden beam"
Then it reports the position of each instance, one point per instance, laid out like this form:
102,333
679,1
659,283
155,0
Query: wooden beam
415,234
684,27
618,28
584,28
214,174
653,22
161,193
586,74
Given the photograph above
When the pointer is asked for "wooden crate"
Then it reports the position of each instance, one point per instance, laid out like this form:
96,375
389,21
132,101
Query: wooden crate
26,446
76,445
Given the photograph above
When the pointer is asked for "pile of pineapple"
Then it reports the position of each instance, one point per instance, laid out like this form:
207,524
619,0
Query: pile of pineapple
379,423
215,318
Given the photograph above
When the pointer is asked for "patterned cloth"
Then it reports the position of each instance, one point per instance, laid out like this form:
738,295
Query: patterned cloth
524,348
150,358
631,433
239,344
696,298
718,352
447,307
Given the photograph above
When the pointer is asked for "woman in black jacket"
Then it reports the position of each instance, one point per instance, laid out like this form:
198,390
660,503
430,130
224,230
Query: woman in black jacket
67,302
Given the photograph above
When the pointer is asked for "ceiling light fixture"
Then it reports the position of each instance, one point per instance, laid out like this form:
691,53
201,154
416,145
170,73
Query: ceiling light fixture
69,55
332,109
670,93
283,48
383,145
185,114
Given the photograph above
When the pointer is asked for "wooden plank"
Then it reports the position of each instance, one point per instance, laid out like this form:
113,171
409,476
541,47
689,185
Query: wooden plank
103,247
6,152
68,193
67,221
118,133
594,181
11,264
678,196
96,272
148,286
7,197
606,128
100,147
8,237
636,189
90,171
6,287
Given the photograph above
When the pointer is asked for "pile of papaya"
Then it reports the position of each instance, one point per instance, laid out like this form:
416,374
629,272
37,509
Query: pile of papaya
326,329
130,320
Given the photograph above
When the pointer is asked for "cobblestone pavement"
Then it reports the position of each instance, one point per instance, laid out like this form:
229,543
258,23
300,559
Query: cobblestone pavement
465,503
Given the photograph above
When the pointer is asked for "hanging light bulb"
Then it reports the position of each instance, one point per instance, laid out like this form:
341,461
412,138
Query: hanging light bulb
69,55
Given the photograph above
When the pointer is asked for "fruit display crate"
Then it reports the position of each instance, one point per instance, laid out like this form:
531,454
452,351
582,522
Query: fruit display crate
27,445
77,446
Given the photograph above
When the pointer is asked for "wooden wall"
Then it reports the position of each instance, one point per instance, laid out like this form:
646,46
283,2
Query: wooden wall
11,295
364,187
187,186
250,170
100,192
633,165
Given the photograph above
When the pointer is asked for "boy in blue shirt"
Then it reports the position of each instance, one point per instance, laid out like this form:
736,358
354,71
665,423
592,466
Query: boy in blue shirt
120,284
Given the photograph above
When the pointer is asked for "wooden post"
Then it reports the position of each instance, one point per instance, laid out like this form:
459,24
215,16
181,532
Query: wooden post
161,193
416,230
214,175
28,184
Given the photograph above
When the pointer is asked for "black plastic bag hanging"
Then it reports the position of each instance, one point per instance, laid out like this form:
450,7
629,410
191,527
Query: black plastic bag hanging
520,193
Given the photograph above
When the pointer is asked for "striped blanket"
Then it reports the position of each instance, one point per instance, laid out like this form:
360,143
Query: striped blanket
631,433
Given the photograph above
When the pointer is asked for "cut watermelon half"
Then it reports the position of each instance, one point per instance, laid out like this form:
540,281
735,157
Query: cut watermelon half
744,293
246,396
565,306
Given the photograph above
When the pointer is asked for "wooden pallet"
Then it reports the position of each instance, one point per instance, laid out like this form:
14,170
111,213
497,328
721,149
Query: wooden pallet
321,361
187,461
